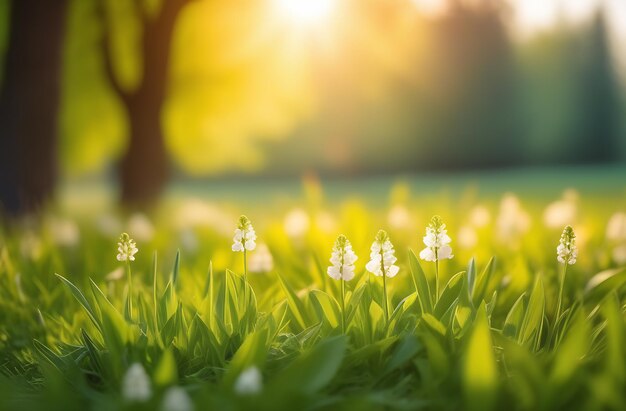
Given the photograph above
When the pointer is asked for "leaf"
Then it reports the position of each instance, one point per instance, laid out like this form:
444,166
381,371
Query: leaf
295,305
421,283
252,352
314,369
433,324
480,372
533,319
80,297
604,282
471,276
176,269
166,372
326,308
571,352
514,319
404,352
450,294
483,282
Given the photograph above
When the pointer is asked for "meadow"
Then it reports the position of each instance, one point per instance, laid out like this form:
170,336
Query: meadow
199,320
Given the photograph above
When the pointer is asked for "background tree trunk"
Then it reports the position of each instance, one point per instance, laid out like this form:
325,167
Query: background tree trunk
145,168
29,103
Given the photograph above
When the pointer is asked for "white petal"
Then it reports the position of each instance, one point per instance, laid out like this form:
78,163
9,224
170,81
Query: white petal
333,272
348,273
373,267
237,247
392,271
427,254
430,240
445,252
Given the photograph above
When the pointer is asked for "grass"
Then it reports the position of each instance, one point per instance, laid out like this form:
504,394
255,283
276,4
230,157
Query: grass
489,339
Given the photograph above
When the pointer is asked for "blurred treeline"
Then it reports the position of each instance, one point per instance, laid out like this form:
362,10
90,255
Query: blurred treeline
155,87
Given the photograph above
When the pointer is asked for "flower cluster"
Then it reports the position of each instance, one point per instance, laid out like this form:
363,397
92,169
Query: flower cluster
382,257
245,237
176,399
261,261
249,382
126,248
136,385
342,260
567,252
437,241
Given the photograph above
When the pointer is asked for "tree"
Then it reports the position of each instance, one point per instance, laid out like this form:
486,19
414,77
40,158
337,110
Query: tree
599,113
144,168
474,92
29,103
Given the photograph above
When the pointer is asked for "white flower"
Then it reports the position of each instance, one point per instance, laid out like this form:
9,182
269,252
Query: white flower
64,232
619,254
115,275
467,237
437,241
249,382
399,217
297,223
245,237
480,216
176,399
342,259
513,220
126,248
136,384
140,225
567,252
382,257
261,261
108,225
616,227
561,212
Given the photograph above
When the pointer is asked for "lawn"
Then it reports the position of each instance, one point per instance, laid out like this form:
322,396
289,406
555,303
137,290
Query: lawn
201,320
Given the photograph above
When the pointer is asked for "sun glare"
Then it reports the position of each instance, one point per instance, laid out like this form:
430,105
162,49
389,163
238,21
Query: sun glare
304,13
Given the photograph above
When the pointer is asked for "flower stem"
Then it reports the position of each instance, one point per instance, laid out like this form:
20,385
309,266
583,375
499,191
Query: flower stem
385,303
560,301
436,275
245,277
129,304
343,305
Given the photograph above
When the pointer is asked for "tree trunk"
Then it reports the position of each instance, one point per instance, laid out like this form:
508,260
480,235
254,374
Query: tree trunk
29,104
145,167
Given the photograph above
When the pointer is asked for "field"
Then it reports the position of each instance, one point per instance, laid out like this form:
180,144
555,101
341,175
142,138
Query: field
192,324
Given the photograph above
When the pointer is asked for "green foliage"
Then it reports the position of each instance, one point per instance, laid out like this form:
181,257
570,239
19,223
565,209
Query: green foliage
482,344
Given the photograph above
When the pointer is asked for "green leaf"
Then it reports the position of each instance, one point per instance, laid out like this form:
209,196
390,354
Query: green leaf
313,370
571,353
450,294
252,352
326,308
533,320
471,276
80,297
295,305
176,269
514,319
480,372
483,282
420,283
166,372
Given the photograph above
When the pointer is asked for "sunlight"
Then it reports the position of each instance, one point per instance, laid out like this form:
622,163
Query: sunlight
304,13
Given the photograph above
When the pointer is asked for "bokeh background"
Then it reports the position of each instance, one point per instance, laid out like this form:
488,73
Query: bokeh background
135,95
